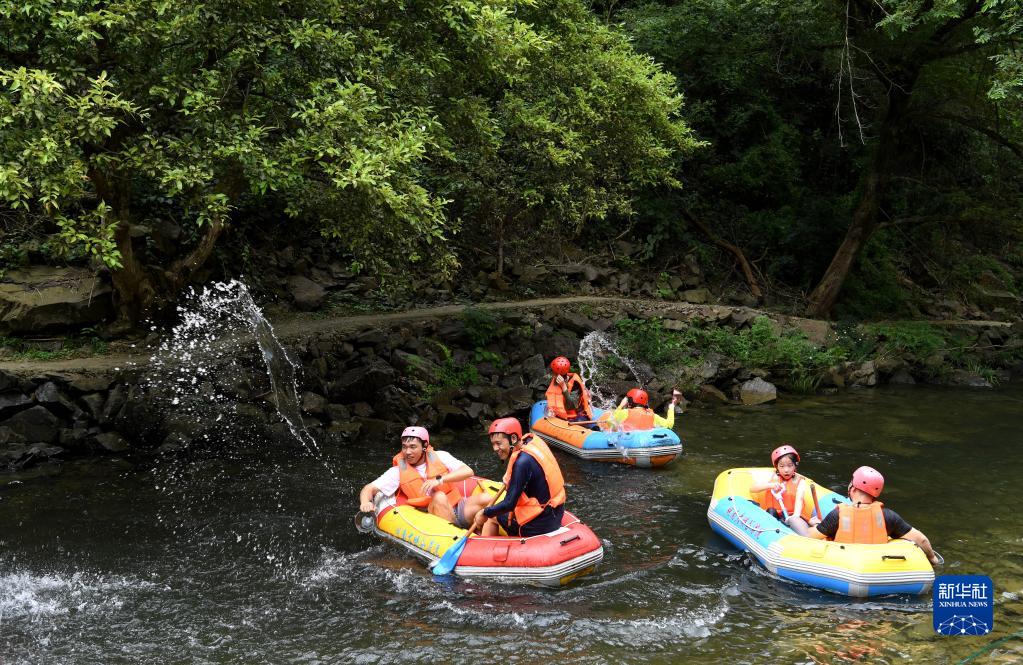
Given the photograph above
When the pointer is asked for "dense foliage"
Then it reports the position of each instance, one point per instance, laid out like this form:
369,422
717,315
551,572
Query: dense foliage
881,138
870,148
384,123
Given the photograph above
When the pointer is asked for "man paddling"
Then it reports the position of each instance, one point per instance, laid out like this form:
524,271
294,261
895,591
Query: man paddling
535,500
867,521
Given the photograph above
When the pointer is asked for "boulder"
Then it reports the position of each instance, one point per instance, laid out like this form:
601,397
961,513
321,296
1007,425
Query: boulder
697,296
902,377
415,366
757,391
864,374
534,371
818,332
11,403
962,377
35,424
710,393
313,403
50,396
44,298
306,293
363,381
112,441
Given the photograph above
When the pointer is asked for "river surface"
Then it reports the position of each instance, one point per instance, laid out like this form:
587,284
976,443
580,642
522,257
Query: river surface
250,555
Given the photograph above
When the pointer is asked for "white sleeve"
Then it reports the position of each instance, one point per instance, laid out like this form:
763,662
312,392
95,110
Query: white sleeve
388,482
449,460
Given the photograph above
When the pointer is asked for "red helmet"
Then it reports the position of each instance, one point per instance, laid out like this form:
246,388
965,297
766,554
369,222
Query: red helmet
784,449
638,396
507,426
869,480
418,432
560,365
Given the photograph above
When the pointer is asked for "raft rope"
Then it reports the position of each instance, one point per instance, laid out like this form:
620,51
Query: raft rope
401,516
738,516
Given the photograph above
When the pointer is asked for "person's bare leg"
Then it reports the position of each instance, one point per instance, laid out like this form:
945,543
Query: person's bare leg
474,504
799,525
490,528
441,507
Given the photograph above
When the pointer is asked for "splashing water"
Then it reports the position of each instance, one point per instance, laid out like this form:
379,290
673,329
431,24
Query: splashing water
593,349
208,337
207,373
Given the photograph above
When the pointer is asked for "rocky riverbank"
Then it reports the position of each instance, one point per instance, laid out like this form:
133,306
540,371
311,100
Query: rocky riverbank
455,368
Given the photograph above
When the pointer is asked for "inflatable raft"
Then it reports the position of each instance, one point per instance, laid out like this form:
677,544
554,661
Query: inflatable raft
553,559
898,566
646,448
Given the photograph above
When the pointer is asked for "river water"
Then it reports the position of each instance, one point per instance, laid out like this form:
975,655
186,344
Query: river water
250,555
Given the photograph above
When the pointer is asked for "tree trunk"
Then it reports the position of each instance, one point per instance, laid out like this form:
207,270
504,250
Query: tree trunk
863,225
865,218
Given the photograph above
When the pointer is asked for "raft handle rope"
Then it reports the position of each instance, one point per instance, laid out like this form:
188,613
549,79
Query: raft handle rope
900,557
742,519
456,537
568,540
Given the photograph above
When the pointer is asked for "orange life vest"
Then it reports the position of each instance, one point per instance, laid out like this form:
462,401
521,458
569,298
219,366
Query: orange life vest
527,508
638,418
410,483
556,398
862,524
788,495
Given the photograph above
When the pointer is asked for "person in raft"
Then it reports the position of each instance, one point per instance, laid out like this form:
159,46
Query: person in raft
534,502
567,397
786,488
866,520
427,478
634,412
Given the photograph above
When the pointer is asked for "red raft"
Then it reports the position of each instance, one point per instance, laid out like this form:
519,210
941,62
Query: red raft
552,559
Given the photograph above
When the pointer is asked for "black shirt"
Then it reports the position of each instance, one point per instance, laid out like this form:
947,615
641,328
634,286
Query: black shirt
897,527
527,476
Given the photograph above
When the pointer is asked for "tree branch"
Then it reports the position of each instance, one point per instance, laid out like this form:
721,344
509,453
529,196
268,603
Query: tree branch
754,287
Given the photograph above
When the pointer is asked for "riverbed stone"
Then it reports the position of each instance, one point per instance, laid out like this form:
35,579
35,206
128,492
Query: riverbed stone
313,403
963,377
902,377
757,391
711,393
35,424
55,401
112,441
11,403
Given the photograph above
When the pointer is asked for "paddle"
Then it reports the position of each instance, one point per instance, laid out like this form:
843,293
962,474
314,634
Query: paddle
448,562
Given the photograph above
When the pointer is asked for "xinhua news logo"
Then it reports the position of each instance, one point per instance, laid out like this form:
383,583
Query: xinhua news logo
964,605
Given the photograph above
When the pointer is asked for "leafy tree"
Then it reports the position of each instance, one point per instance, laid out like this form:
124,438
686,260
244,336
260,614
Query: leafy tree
365,118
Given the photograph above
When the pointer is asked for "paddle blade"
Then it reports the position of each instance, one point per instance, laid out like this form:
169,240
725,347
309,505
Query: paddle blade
447,562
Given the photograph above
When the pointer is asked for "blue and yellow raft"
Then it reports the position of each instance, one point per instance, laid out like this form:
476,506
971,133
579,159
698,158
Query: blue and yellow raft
898,566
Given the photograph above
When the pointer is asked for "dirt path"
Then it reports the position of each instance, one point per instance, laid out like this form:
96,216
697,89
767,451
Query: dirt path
296,327
302,325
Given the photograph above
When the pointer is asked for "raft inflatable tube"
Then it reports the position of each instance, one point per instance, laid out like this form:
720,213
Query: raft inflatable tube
644,448
898,566
552,559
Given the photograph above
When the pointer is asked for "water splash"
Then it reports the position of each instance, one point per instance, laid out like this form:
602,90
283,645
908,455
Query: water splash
213,323
221,358
594,350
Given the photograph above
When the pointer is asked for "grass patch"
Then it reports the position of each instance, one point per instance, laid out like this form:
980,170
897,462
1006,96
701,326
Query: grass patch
17,348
